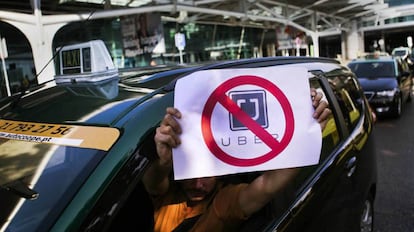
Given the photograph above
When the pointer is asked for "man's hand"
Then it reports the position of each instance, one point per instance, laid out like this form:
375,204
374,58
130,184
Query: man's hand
322,111
167,135
156,178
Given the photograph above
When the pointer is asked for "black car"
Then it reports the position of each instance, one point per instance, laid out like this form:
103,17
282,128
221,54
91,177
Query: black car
72,155
387,83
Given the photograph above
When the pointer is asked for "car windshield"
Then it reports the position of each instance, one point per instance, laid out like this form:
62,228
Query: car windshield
31,165
400,53
373,69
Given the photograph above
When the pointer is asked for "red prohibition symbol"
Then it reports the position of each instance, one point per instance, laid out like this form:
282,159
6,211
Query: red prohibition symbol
219,96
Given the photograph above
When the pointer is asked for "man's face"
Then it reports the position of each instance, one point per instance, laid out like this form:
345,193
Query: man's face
197,189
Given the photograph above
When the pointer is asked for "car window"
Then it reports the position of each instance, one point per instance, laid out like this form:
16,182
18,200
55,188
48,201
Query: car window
281,202
349,97
125,203
350,100
330,135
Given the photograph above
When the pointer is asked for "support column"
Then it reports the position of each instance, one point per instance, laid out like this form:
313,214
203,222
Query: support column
354,42
315,40
314,35
344,47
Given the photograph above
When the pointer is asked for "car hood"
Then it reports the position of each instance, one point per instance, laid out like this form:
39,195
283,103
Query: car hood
378,84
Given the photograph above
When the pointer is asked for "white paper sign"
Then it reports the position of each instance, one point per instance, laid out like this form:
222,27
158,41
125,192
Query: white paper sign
243,120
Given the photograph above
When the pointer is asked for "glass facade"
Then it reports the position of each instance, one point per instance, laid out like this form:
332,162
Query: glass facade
392,3
396,3
203,43
144,40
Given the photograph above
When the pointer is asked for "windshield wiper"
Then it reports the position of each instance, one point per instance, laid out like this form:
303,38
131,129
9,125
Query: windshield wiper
21,189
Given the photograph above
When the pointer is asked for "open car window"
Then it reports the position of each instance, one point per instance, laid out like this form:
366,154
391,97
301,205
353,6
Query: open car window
275,208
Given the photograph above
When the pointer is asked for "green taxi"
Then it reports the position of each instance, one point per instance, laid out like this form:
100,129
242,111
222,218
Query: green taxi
73,152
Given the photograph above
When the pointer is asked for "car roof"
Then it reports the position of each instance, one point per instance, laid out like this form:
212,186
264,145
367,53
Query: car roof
401,49
94,104
88,104
378,59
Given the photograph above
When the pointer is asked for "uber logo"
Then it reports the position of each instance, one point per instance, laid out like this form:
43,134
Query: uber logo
254,104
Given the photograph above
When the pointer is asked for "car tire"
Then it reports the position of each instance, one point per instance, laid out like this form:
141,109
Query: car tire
367,215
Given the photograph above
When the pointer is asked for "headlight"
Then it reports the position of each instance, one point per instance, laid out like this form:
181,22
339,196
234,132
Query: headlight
387,93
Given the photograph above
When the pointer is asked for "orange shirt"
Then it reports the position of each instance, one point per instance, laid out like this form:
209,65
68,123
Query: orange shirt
222,213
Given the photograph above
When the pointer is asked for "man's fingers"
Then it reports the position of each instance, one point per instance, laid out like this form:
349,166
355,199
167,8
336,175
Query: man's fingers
320,107
324,115
170,120
166,135
173,111
169,130
170,123
316,98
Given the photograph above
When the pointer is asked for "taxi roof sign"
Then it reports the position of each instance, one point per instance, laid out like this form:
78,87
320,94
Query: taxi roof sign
85,62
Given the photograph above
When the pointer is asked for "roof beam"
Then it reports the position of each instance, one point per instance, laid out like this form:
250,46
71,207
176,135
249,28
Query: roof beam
272,12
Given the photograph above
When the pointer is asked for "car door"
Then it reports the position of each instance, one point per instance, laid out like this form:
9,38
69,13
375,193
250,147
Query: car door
328,195
122,203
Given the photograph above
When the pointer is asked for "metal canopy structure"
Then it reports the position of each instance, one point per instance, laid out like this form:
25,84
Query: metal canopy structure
322,16
39,20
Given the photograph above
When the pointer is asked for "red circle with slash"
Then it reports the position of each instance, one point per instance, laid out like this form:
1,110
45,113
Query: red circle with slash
218,96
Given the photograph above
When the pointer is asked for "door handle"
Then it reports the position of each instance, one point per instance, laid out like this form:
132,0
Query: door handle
350,166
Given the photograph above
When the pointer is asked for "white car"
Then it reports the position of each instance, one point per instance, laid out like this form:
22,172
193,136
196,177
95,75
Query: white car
402,52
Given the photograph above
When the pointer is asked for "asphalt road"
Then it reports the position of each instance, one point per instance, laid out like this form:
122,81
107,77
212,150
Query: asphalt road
394,205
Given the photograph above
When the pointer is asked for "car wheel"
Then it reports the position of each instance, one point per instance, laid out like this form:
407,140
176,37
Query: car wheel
367,216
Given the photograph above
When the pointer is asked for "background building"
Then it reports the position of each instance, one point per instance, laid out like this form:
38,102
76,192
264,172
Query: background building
142,33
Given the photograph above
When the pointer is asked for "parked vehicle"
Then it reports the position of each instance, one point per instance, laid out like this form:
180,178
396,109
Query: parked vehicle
402,52
386,81
73,154
373,55
405,54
